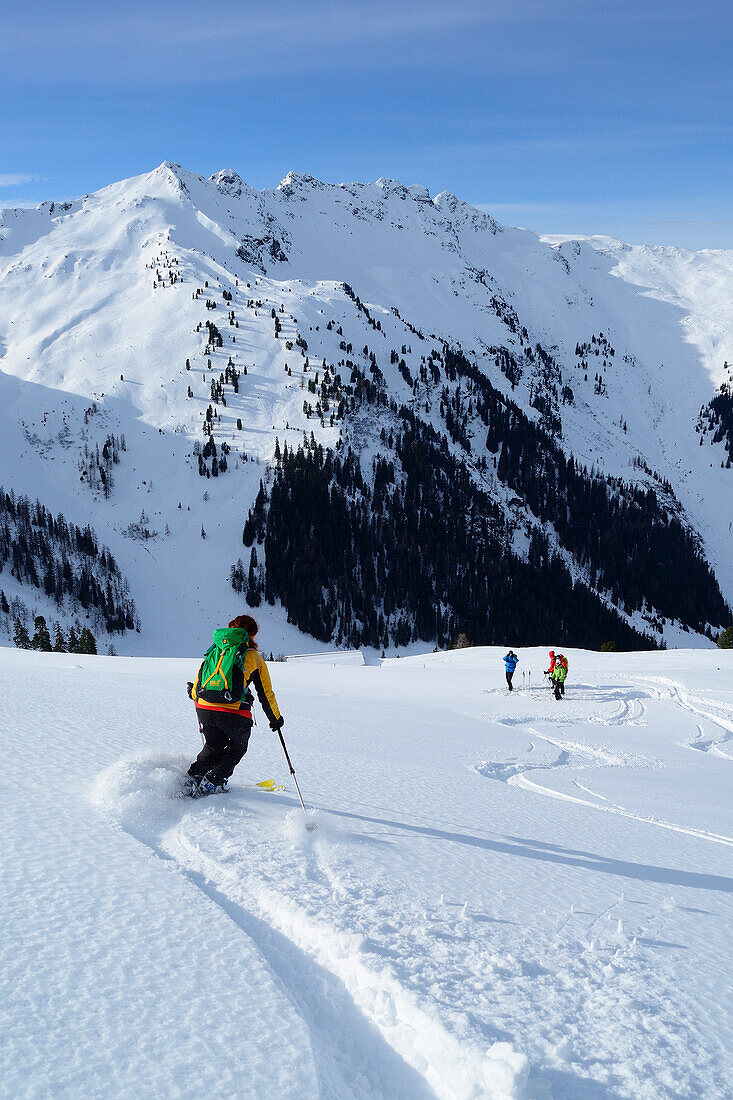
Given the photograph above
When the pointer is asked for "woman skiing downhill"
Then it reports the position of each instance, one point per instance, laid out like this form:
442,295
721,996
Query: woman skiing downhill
223,704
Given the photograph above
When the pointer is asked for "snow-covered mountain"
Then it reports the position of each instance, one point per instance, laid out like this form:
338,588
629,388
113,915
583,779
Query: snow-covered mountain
165,339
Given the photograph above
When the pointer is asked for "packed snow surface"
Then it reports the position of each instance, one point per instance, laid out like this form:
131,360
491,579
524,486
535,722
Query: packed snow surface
505,895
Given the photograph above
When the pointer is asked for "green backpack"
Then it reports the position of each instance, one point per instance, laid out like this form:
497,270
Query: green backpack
221,679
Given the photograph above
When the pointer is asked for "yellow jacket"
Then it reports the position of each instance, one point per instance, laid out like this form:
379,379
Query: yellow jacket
255,673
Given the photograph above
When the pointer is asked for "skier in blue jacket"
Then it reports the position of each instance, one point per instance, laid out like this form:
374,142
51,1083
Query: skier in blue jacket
511,661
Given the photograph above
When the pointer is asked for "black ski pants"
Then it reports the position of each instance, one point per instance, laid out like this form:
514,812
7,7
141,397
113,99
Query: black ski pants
509,674
226,737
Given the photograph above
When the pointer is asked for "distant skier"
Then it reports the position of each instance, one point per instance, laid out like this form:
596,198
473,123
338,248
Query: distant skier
223,704
557,672
561,660
511,661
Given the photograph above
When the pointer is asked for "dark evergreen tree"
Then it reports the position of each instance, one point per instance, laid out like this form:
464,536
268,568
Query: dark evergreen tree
41,638
87,642
67,558
254,597
20,635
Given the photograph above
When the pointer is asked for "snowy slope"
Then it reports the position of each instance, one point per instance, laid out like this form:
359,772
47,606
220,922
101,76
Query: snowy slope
692,340
99,304
505,896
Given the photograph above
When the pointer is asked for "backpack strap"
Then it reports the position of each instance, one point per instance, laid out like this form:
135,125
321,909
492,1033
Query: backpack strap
218,670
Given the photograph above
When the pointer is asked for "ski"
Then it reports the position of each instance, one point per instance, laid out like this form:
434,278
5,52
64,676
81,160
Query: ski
189,790
270,785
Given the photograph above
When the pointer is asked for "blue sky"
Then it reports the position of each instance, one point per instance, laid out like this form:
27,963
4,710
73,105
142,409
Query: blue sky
564,116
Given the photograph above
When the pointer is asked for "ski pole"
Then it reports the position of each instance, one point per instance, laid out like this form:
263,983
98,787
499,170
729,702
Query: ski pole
309,825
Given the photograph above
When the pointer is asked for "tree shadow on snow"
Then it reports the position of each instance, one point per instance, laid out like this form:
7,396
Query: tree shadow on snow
552,853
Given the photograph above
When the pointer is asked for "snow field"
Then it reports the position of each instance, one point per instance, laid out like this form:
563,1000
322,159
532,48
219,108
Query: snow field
468,920
113,966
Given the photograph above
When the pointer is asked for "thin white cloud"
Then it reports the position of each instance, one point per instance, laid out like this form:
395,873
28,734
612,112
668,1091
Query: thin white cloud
15,179
191,21
170,41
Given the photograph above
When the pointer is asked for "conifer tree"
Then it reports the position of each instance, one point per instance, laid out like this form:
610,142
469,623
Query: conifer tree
253,591
41,638
59,644
20,635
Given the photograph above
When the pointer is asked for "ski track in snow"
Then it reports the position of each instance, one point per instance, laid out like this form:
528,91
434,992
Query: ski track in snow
608,807
718,717
575,755
369,1036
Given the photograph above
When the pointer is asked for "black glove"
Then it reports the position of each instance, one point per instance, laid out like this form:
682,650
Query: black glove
277,724
189,688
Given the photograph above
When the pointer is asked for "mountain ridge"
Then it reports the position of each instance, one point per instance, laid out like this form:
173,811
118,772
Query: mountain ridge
104,298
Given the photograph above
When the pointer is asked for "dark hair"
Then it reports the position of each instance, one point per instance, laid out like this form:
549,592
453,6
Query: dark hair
246,622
